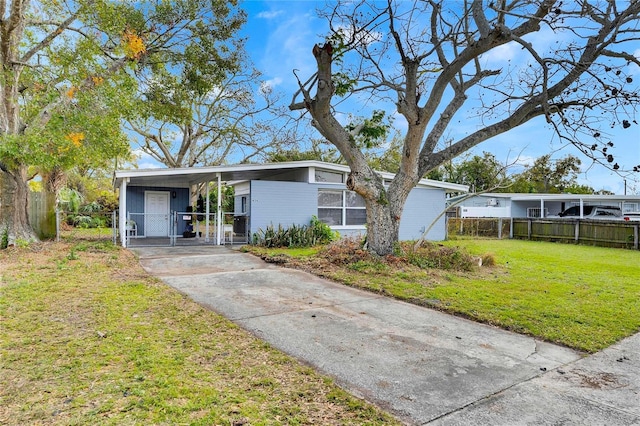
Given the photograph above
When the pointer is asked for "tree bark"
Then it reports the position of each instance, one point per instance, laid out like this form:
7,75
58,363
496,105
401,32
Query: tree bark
14,199
382,228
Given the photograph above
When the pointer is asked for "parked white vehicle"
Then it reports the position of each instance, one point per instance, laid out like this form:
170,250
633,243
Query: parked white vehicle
631,216
592,212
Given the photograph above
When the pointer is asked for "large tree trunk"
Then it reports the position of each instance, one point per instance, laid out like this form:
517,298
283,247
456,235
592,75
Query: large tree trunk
14,204
384,209
382,228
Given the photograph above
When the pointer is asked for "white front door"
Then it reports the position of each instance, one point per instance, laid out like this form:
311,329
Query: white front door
156,218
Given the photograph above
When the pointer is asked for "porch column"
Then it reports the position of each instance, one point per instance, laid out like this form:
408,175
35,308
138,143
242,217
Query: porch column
122,209
206,221
220,225
542,207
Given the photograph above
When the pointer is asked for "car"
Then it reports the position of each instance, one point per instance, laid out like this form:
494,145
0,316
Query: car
631,216
592,212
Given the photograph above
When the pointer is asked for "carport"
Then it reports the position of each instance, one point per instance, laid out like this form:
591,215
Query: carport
153,202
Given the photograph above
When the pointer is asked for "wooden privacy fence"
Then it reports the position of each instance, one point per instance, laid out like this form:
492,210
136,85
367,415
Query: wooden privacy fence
42,214
603,233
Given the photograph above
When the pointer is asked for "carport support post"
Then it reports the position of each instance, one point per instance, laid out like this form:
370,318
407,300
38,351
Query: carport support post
123,208
220,228
207,211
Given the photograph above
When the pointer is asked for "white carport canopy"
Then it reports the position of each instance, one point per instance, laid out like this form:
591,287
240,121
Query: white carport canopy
580,199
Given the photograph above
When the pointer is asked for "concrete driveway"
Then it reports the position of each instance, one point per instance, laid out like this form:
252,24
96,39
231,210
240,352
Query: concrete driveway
424,366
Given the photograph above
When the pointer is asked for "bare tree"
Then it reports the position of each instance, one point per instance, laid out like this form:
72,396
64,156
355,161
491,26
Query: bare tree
434,61
238,118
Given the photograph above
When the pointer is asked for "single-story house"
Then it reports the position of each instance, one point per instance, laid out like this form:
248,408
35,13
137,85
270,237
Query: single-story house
512,205
157,202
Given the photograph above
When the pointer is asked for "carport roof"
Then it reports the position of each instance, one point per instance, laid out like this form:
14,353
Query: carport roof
183,177
516,196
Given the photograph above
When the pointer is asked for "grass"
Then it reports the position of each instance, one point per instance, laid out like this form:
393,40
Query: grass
582,297
87,337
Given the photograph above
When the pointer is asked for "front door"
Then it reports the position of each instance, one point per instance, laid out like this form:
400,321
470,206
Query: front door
156,219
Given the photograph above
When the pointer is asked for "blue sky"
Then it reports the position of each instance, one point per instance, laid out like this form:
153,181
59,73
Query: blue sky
281,34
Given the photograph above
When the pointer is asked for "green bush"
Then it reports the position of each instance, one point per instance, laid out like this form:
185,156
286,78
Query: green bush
4,240
440,257
296,235
86,221
82,221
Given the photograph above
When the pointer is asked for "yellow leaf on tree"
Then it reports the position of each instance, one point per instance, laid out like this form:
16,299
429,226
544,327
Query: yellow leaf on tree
76,138
71,92
133,45
97,80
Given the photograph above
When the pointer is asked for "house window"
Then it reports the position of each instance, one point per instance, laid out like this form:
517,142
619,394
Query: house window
341,208
330,177
243,204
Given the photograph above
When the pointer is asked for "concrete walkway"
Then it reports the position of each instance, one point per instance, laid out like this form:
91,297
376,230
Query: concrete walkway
424,366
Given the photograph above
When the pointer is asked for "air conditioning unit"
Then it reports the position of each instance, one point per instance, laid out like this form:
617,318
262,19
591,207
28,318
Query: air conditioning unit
492,202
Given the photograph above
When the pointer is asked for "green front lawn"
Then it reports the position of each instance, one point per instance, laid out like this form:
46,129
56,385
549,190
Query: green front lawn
87,337
579,296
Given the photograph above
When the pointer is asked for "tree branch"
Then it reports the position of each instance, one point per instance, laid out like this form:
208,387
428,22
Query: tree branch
48,39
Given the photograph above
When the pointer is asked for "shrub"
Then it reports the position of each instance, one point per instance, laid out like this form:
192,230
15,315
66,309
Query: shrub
488,259
347,251
83,221
295,236
92,207
4,240
440,257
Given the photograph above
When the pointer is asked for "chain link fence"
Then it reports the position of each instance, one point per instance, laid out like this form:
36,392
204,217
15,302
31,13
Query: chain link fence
100,225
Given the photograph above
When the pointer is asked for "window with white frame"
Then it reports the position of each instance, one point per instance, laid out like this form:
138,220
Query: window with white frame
341,208
330,177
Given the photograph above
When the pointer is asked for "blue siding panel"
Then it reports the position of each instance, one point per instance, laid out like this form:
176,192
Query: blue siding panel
135,203
422,207
287,203
284,203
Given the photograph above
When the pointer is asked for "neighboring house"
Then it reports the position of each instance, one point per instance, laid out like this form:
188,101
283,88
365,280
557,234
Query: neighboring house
511,205
155,203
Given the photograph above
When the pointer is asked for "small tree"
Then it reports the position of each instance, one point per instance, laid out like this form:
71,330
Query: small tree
547,176
67,74
434,62
226,116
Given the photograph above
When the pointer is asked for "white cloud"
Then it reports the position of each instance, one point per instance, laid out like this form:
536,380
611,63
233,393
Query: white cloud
269,14
633,68
542,41
504,53
287,47
268,85
399,122
362,37
142,160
